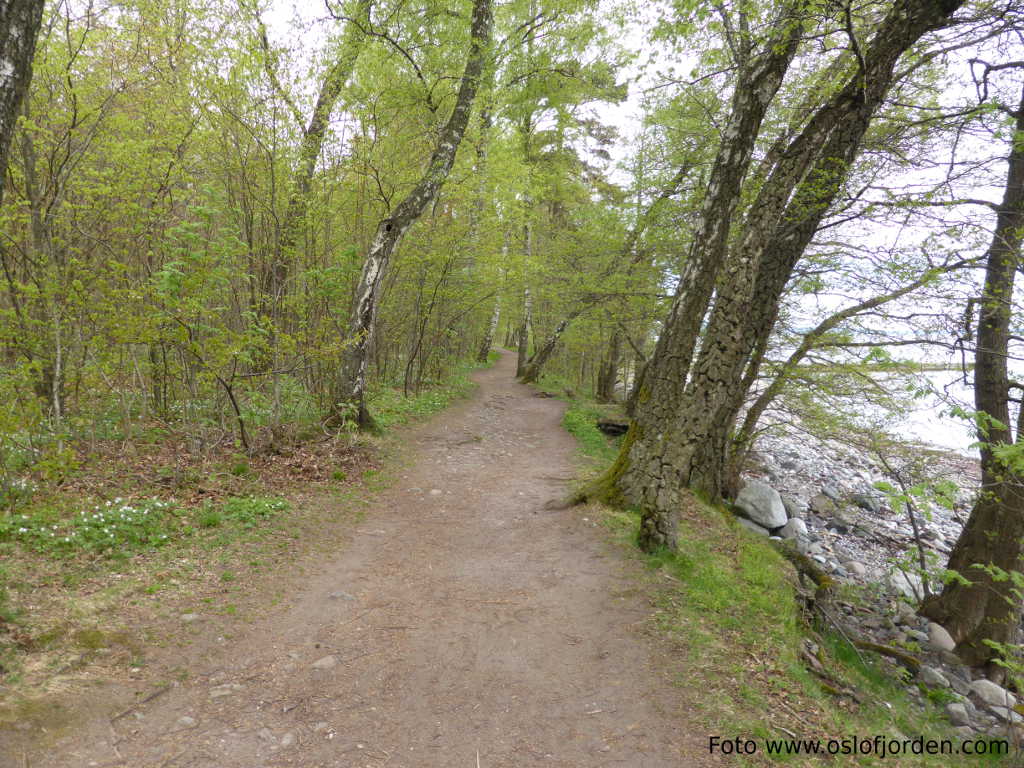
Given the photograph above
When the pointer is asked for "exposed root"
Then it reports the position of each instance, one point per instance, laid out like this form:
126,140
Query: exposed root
912,663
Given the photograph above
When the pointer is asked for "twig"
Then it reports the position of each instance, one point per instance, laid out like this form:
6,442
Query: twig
785,731
157,693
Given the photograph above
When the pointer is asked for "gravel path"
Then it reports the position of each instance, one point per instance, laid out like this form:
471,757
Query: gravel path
464,625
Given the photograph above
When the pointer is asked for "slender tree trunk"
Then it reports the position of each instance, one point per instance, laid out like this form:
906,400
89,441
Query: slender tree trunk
523,334
312,144
608,373
492,327
536,363
19,27
350,399
988,609
531,372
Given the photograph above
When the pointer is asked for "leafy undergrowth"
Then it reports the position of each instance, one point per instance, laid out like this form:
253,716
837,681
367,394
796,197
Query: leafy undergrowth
727,604
141,547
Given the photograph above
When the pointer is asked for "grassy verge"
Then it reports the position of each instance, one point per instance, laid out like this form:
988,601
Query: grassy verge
99,578
727,602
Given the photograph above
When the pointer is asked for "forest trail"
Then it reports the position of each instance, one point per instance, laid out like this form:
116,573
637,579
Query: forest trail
464,625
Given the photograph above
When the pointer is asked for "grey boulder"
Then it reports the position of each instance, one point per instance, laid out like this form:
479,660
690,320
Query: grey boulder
753,526
762,504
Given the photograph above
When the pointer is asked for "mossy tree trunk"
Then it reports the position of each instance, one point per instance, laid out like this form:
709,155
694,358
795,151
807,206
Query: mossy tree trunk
685,416
645,475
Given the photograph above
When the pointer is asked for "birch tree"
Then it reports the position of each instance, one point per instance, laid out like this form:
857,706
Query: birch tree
350,400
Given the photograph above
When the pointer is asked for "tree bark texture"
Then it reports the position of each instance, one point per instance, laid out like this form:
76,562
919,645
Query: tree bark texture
693,450
19,27
640,477
779,227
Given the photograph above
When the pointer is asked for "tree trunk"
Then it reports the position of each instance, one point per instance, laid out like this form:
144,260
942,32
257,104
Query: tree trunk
492,327
638,477
536,363
988,609
523,335
531,372
350,399
608,373
19,27
781,223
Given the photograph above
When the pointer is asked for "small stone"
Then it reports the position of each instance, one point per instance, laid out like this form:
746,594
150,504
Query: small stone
840,523
761,503
340,596
288,739
321,726
957,713
186,722
794,528
188,618
950,659
964,732
794,507
868,501
959,684
831,491
906,613
906,584
225,690
436,491
327,662
931,677
857,568
265,734
938,638
917,636
1008,715
822,504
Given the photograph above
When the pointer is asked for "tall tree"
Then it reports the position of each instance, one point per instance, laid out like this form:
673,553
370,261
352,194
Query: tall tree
350,400
700,406
985,606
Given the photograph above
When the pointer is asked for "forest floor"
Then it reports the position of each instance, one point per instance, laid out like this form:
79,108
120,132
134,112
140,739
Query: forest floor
457,623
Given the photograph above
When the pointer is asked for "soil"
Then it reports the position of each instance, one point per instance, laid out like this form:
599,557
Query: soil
462,624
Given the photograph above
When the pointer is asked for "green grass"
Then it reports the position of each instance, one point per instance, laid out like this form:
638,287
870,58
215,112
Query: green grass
726,600
391,408
580,419
118,529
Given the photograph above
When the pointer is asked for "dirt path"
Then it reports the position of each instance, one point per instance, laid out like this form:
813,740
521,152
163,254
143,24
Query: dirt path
463,626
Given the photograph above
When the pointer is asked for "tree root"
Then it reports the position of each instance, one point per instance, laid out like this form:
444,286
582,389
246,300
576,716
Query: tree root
806,567
903,658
